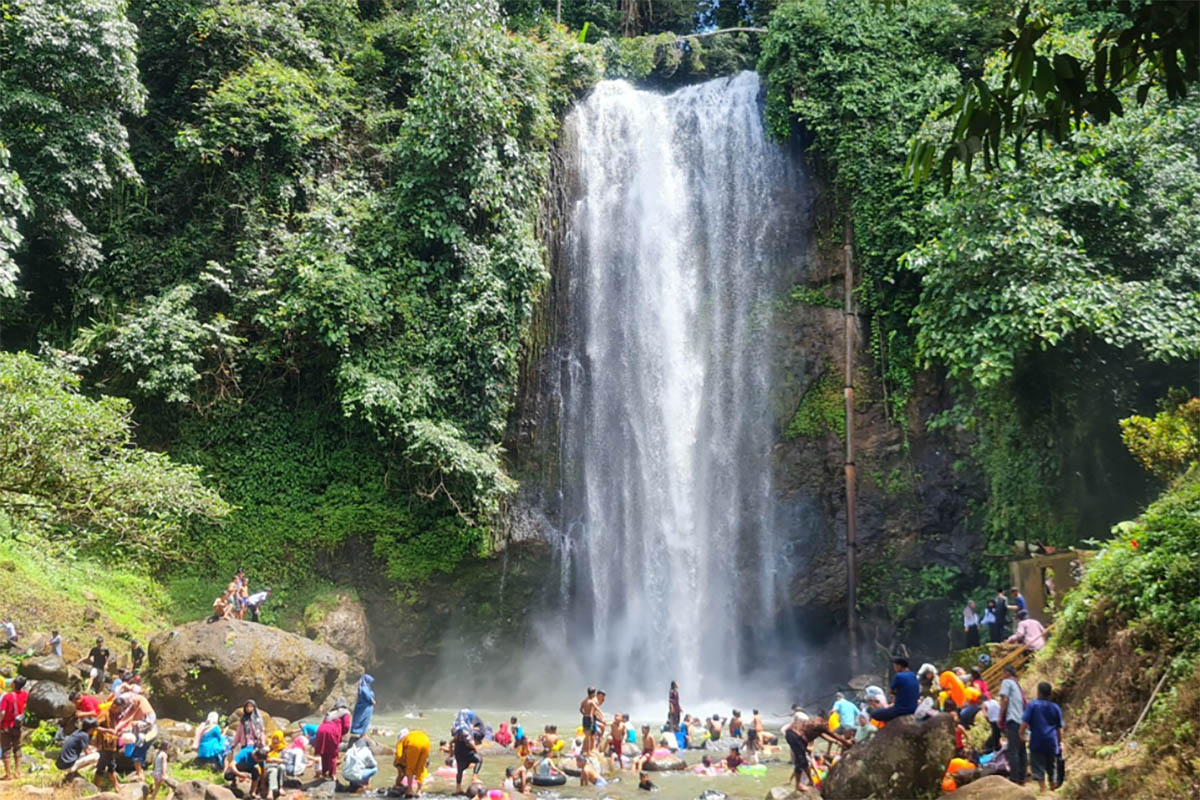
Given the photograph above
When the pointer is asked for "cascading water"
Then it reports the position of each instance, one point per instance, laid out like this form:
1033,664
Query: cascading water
682,223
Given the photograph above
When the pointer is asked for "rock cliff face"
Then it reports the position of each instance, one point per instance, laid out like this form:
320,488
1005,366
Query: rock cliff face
201,667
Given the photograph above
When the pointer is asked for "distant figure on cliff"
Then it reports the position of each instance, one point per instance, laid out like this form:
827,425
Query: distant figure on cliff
9,632
971,624
137,654
674,709
905,689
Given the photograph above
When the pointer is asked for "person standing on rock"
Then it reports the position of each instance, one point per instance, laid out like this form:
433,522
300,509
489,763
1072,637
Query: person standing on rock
1012,712
254,603
674,708
137,654
12,719
905,688
250,730
989,620
364,706
9,632
329,737
1044,723
971,624
107,743
1001,629
412,760
97,658
466,754
54,646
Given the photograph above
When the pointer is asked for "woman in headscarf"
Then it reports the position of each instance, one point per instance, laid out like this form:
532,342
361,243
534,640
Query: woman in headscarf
504,736
210,743
295,759
329,737
360,766
364,706
250,730
412,758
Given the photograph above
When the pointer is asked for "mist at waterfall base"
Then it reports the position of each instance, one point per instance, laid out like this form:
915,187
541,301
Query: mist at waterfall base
683,226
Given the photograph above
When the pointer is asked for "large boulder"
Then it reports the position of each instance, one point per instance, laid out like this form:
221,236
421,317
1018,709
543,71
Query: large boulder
341,622
50,700
199,667
906,759
45,668
994,787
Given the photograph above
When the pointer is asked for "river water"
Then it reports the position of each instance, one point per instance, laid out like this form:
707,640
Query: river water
683,223
671,786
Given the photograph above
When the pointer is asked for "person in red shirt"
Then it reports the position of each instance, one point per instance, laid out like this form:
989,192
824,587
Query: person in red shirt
12,717
86,705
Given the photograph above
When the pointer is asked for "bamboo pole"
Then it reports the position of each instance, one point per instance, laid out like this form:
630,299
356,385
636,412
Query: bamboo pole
851,533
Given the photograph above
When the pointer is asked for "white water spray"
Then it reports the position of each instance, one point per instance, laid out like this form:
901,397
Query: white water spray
683,220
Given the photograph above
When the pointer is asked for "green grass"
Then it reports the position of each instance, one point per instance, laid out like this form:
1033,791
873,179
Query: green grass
46,585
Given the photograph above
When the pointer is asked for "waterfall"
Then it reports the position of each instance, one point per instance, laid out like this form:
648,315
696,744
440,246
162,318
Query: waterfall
683,223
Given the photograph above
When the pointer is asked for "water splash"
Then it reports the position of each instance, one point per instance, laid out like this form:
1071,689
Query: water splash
682,221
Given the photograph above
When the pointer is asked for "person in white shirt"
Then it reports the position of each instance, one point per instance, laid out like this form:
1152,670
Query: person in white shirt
55,643
255,602
971,624
360,765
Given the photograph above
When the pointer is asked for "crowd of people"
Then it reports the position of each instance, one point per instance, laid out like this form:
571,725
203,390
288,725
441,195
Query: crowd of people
114,724
996,617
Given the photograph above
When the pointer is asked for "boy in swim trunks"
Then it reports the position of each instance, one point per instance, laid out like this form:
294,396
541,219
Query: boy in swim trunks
617,739
586,710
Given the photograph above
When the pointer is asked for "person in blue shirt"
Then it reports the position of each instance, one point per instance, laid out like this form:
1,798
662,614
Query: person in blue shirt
847,713
1018,600
1043,720
905,688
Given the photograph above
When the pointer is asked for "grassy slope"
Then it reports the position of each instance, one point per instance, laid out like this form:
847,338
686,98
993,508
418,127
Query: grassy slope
45,586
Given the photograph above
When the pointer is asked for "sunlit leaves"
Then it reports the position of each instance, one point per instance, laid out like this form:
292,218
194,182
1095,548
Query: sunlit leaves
68,463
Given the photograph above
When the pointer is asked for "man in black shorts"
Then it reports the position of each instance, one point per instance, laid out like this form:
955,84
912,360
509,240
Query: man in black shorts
800,735
586,711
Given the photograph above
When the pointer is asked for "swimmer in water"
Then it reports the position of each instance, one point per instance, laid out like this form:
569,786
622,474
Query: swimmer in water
714,726
645,784
588,776
734,759
647,749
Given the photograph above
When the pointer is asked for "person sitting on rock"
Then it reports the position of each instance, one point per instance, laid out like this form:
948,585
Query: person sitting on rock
210,742
8,632
295,758
250,729
905,691
360,765
54,644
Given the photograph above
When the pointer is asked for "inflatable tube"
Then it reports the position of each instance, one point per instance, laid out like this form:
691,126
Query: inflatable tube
548,780
752,769
670,764
663,752
446,772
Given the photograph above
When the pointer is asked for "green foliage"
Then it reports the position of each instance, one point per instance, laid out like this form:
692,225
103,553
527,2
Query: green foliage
67,77
1099,240
311,487
1148,575
814,296
14,204
1170,442
69,463
897,588
856,81
162,343
1044,91
822,408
